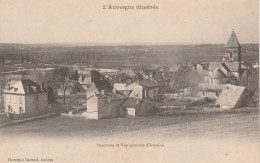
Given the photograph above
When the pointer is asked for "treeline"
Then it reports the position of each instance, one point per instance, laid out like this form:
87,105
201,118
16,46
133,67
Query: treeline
17,53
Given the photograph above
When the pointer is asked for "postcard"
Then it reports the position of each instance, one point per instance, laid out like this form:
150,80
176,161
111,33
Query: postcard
129,81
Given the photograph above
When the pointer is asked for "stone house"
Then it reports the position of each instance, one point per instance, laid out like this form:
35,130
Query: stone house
25,98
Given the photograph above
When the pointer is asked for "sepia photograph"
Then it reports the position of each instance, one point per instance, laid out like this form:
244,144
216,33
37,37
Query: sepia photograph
129,81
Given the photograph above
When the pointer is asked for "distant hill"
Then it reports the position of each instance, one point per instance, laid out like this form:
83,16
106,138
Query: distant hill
122,55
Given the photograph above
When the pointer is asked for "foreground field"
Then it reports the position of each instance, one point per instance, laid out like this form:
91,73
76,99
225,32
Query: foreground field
233,126
203,138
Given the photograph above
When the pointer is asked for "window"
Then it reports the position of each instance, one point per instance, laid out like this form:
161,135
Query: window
9,108
20,100
15,99
20,110
231,55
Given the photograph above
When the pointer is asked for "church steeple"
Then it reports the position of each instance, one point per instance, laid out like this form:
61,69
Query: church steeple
232,41
232,49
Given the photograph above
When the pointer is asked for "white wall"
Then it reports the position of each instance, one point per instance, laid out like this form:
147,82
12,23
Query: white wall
15,101
137,91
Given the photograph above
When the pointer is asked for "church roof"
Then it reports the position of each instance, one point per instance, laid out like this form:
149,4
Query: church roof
232,66
233,41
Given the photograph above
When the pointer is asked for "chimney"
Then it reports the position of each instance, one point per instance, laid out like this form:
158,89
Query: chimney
103,92
138,81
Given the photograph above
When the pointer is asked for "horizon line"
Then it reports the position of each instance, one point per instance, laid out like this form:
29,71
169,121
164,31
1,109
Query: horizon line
114,44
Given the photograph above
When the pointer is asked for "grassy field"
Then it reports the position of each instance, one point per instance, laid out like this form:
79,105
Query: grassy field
235,126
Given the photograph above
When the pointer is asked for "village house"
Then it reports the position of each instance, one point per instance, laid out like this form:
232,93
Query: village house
212,80
104,105
233,96
25,98
102,99
145,89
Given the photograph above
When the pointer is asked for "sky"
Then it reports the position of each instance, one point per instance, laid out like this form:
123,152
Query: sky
84,21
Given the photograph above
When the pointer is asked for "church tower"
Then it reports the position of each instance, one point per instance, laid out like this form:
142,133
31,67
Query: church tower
232,49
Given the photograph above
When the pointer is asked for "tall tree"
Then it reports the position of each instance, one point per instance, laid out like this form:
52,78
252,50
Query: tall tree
62,78
58,79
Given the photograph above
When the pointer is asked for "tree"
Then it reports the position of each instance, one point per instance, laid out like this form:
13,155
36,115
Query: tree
183,79
60,79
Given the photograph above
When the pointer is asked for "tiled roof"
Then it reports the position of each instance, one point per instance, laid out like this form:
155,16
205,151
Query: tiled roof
225,66
233,41
213,65
232,66
230,95
25,87
103,85
95,75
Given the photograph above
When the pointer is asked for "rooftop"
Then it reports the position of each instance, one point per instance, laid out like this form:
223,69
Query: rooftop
233,41
24,87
